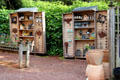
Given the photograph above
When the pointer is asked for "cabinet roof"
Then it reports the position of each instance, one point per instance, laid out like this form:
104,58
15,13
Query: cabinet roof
27,10
94,8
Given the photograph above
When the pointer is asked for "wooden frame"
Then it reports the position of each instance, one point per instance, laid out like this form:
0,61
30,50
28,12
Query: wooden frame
105,39
112,40
84,41
102,26
27,25
118,52
69,43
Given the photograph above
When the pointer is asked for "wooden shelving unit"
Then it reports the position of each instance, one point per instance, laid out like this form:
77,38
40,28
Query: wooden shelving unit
29,26
83,29
26,29
79,33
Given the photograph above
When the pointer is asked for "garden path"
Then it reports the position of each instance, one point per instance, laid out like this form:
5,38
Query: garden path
41,68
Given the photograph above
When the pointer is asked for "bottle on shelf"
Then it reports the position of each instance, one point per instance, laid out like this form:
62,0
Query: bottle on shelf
78,17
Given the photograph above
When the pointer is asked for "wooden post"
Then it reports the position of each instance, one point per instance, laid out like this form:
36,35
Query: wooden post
22,48
112,39
118,52
117,37
20,54
27,61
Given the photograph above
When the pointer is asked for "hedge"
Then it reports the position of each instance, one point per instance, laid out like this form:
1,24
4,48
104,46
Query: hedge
54,11
4,20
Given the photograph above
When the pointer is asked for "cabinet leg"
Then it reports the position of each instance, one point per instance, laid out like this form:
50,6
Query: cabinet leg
20,59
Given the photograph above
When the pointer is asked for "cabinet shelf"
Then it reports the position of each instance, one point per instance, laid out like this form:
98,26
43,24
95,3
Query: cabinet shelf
85,28
26,36
80,57
84,39
84,20
26,29
25,20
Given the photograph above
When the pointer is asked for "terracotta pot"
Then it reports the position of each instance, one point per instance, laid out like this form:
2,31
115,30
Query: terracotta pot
106,70
106,56
87,59
94,57
95,72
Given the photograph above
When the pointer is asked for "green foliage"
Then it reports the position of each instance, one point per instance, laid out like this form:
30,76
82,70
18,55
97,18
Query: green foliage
10,4
4,21
101,5
2,4
26,3
53,12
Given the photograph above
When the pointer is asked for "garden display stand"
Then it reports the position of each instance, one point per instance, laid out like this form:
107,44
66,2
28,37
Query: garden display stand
24,47
27,23
83,29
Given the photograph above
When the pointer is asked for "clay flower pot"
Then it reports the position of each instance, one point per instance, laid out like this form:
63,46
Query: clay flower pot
94,57
106,70
106,55
95,72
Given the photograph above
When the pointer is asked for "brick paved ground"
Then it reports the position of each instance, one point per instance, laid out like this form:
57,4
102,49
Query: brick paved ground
41,68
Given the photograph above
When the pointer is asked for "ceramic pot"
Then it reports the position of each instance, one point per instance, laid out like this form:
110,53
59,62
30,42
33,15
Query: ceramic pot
106,70
106,56
94,57
95,72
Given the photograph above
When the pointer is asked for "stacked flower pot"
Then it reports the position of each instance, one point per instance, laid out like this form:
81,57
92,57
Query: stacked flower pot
95,69
106,64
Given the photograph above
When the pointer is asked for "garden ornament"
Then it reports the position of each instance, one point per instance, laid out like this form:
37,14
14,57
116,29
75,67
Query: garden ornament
67,20
102,34
14,30
14,20
86,17
22,48
102,18
39,32
38,19
81,32
78,52
66,47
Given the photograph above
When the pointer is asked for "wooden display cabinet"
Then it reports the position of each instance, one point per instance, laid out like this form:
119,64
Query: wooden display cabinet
82,31
29,26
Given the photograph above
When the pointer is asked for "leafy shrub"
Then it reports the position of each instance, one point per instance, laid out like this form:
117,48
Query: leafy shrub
53,12
4,20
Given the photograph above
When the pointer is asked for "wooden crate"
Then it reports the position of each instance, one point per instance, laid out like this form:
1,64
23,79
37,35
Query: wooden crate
29,26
